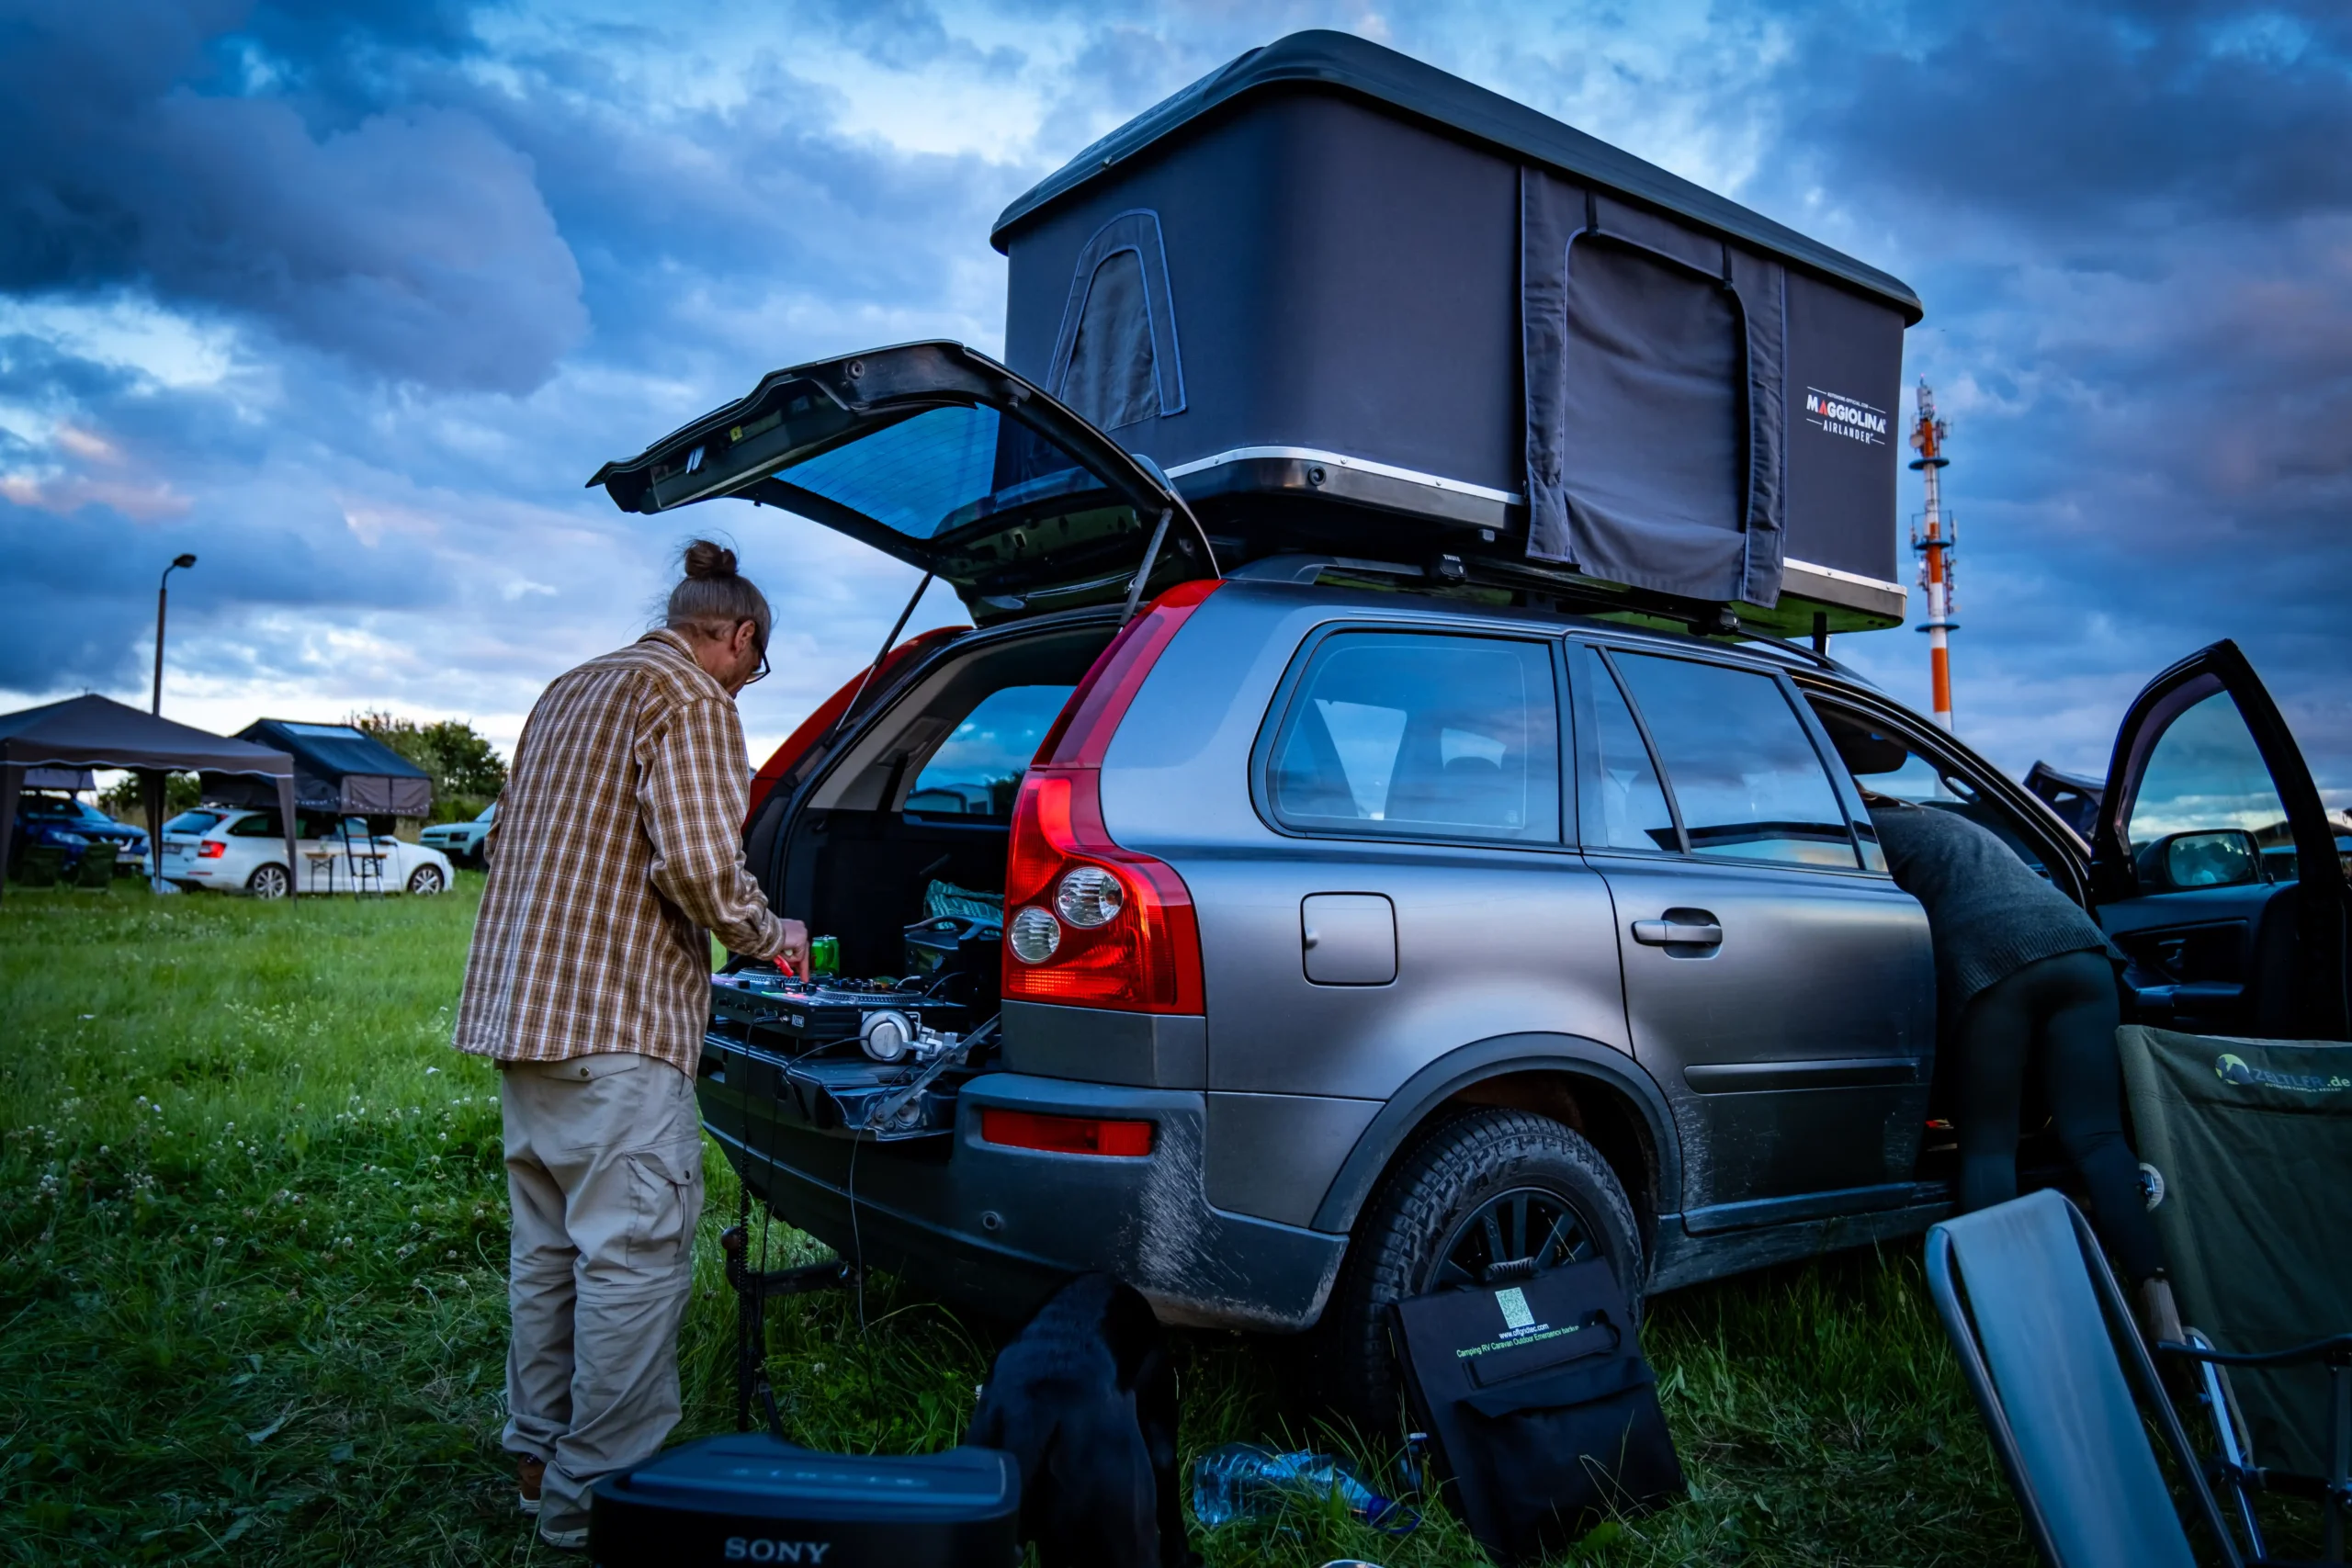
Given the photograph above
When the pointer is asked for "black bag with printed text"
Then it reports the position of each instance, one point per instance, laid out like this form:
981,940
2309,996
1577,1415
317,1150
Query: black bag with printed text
1545,1414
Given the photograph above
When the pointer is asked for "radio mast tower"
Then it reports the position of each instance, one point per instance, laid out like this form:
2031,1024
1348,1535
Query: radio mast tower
1935,547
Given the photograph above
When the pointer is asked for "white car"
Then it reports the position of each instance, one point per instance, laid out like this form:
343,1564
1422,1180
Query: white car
242,851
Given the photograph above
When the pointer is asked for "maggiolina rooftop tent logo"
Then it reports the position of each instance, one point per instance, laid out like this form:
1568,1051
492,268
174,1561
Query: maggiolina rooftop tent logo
1849,417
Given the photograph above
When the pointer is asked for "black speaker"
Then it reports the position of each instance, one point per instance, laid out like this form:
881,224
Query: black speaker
750,1498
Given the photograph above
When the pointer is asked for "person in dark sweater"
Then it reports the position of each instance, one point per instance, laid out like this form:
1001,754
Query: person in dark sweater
2022,973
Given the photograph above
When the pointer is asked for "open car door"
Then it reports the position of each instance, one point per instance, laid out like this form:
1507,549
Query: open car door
2213,864
941,457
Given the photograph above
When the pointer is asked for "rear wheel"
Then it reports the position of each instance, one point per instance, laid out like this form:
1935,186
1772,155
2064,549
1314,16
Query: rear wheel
1486,1198
427,880
269,882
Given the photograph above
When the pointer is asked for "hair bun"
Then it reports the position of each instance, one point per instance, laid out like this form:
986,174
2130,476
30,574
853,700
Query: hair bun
705,558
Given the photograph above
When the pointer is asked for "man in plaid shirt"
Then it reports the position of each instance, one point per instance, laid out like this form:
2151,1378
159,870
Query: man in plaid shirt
615,851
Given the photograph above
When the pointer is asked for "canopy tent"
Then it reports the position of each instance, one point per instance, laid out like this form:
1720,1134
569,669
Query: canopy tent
338,768
98,732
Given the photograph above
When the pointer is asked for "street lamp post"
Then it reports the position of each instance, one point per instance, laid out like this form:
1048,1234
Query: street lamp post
161,587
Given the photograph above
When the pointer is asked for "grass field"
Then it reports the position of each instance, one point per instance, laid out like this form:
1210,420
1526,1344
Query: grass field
251,1249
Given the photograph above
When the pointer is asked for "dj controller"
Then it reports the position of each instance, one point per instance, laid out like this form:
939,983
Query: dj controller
886,1020
860,1057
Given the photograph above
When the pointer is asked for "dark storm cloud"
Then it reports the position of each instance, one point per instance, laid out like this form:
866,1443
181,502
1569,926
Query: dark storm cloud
82,589
714,210
897,33
2132,228
361,220
2081,119
413,241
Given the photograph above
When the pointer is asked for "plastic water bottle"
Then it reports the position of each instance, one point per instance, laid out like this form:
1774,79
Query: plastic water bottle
1242,1479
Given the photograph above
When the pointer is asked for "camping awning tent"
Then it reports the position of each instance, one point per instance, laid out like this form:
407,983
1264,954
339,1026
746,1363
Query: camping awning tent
98,732
337,768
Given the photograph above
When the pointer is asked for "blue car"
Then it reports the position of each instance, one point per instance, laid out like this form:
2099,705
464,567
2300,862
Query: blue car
461,841
71,825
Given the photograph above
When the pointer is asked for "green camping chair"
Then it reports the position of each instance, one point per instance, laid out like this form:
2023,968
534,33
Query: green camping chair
97,869
2249,1152
39,865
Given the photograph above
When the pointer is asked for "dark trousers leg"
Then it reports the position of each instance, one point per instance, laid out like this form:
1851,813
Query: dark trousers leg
1990,1048
2083,1079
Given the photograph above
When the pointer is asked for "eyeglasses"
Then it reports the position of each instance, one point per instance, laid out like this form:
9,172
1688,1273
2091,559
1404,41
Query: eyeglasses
756,676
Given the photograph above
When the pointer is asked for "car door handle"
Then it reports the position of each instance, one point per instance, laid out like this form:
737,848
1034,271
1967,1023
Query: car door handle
1681,927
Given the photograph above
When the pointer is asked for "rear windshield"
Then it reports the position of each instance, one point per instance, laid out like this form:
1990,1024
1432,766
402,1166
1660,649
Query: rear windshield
946,469
193,822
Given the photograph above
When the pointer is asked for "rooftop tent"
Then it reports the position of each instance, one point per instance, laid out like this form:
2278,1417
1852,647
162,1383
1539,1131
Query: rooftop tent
1346,300
98,732
338,768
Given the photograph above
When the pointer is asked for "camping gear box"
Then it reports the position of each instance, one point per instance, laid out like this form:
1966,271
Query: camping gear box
1348,302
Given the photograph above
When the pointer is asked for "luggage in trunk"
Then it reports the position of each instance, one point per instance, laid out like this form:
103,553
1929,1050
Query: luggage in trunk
1350,302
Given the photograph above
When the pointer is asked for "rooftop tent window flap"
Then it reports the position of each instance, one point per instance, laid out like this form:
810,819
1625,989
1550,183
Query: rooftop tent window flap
1115,358
1654,404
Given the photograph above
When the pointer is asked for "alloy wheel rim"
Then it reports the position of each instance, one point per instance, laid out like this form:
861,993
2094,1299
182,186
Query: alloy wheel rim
1513,1235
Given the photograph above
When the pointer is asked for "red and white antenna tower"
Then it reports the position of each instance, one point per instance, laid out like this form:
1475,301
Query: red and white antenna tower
1935,547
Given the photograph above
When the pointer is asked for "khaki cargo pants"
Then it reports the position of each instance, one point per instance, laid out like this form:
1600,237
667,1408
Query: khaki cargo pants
604,1169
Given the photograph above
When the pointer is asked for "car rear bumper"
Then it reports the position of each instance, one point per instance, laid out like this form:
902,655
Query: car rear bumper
999,1227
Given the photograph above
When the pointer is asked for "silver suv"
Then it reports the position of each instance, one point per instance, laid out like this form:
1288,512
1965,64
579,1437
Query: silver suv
1371,927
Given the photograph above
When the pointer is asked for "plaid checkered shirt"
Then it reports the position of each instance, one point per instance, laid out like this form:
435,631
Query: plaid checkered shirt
617,846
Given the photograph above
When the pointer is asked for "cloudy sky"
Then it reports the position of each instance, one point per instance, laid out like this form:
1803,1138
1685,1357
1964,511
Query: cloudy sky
350,298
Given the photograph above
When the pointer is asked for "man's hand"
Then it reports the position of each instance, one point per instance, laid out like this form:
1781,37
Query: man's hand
793,957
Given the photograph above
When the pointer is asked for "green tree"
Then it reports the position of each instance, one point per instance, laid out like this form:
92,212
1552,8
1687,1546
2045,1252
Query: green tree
466,771
122,801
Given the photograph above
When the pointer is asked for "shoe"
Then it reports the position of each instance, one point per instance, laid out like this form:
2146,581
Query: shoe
575,1539
528,1476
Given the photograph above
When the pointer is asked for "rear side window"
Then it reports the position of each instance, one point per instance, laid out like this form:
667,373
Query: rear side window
977,770
254,827
1421,736
1742,772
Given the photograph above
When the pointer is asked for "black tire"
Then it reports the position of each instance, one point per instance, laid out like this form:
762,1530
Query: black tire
268,882
1427,1216
427,880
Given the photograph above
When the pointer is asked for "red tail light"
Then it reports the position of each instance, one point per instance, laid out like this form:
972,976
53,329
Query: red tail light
1060,946
1064,1134
1083,732
1145,958
212,849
